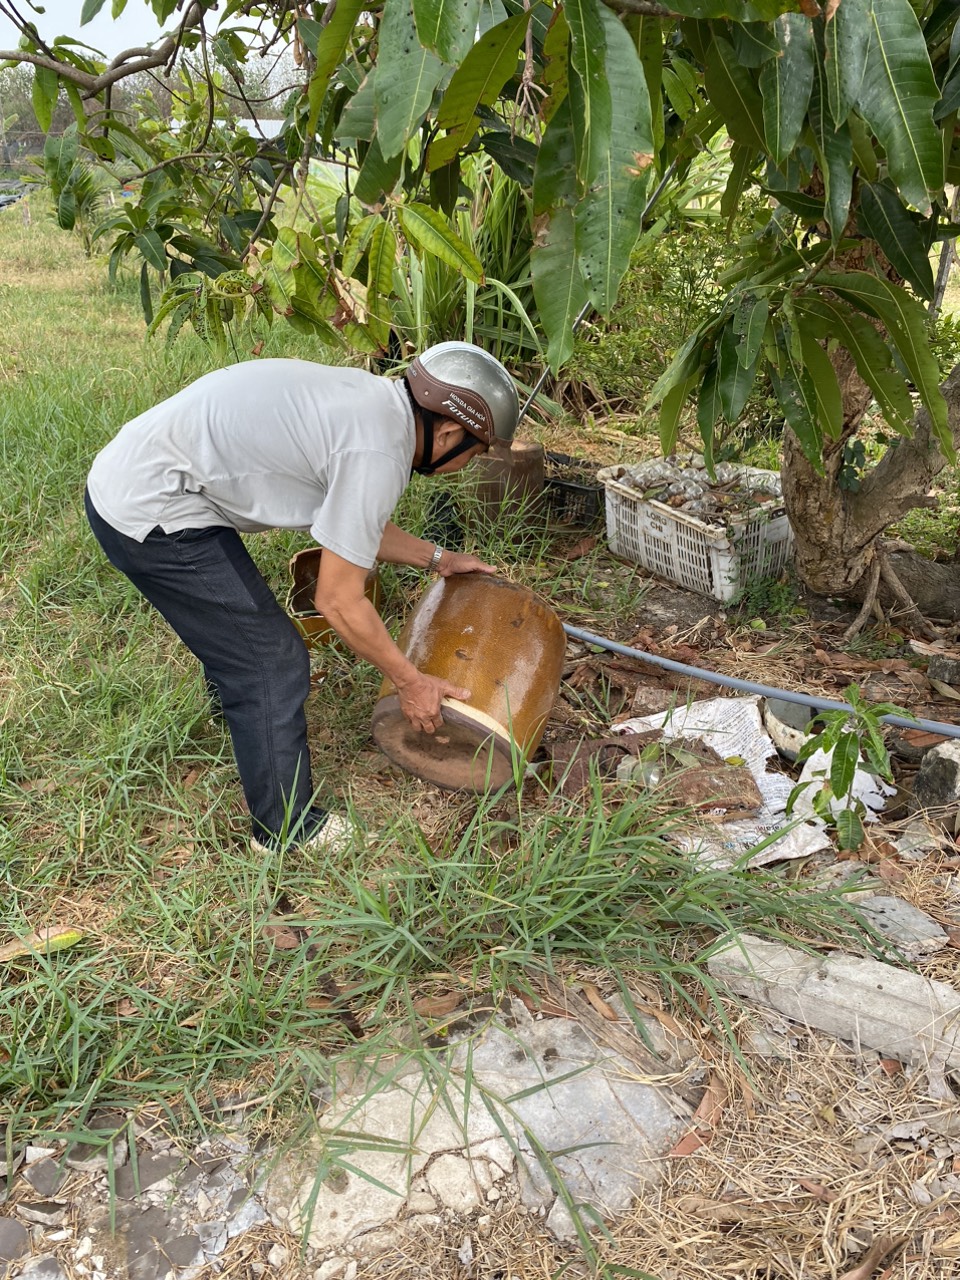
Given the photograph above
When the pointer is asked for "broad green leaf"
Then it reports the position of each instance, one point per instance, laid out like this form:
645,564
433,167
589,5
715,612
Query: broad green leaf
755,43
444,150
331,45
830,319
846,37
516,156
825,384
554,175
785,84
647,33
734,379
407,76
448,27
59,157
850,832
593,115
670,411
67,209
809,209
382,257
152,248
430,231
608,217
709,408
733,90
90,10
558,285
146,301
798,399
882,216
743,161
897,97
445,186
835,155
483,73
843,765
377,177
492,13
684,366
905,320
556,72
46,88
750,323
358,121
950,100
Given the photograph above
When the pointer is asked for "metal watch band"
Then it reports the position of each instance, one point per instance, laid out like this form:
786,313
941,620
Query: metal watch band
436,557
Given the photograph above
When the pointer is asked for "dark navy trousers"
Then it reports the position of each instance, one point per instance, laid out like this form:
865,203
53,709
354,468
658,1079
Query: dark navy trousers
208,589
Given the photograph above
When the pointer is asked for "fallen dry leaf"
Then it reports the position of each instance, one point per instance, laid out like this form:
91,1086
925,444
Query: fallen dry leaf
892,1066
598,1002
282,937
53,938
438,1006
818,1190
947,690
191,779
581,548
879,1250
890,871
706,1117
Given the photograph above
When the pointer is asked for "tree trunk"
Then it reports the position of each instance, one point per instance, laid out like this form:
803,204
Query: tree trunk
837,532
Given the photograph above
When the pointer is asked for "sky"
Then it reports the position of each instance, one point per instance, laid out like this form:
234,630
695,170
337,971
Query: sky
135,26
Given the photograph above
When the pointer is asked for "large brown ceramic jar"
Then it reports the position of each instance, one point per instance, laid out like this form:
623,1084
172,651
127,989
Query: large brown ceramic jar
504,644
313,626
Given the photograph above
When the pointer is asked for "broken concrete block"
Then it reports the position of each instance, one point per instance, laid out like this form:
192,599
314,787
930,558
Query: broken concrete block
910,930
863,1001
943,666
937,784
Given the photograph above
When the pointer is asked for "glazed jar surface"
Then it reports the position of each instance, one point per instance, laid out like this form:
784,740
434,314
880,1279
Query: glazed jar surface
505,645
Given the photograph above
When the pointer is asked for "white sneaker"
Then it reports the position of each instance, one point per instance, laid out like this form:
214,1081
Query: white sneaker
336,835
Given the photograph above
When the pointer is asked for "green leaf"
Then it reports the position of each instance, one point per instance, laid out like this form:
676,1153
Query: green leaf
828,318
608,217
755,43
90,10
407,75
67,209
430,231
834,153
684,366
557,284
152,248
647,33
448,27
594,114
843,765
905,320
357,123
382,258
59,157
850,832
483,73
750,324
825,384
786,83
709,406
670,411
732,88
743,161
329,52
516,156
46,88
883,217
146,302
554,175
846,37
897,97
377,177
798,399
734,379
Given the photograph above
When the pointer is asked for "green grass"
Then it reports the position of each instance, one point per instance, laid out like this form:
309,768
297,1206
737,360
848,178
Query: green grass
120,812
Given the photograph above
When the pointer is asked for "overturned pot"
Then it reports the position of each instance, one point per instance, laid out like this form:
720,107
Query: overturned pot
304,571
503,643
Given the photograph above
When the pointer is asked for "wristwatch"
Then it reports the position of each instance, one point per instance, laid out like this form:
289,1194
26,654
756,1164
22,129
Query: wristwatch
436,558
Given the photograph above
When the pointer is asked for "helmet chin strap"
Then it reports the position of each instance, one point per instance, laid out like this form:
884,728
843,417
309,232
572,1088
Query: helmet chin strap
427,469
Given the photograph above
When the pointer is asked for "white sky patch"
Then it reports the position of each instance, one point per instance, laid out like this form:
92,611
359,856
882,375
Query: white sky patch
136,25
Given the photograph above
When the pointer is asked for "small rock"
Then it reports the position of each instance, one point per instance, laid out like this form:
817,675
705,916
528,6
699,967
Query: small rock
48,1213
942,667
45,1176
9,1167
910,930
33,1154
454,1181
149,1171
493,1195
332,1269
465,1252
917,840
250,1214
937,784
92,1157
421,1202
14,1240
277,1256
213,1236
84,1248
45,1268
351,1271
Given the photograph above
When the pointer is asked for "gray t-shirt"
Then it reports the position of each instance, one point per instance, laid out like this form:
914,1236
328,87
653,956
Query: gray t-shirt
269,444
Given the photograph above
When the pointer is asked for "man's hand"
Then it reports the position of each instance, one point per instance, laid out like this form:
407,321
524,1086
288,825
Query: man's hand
452,562
420,698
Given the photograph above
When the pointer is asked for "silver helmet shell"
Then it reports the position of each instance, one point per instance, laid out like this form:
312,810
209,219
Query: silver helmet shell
461,381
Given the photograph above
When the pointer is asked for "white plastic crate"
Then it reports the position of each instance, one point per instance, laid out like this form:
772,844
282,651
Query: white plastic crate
684,549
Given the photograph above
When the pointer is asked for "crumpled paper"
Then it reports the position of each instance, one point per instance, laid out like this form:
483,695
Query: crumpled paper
733,727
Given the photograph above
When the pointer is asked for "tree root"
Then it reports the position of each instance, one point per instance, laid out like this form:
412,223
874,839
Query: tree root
882,570
909,608
869,601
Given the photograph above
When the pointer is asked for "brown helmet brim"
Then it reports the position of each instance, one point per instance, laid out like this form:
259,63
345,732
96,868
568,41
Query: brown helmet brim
461,404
